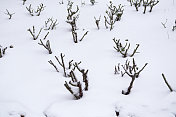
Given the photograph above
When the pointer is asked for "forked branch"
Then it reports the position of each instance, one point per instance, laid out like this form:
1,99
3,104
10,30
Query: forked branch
132,71
46,46
61,63
9,14
32,32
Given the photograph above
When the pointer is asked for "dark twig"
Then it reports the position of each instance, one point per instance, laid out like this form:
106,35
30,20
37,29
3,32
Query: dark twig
40,8
145,4
32,12
32,32
137,3
53,65
152,4
124,49
137,45
174,27
84,75
62,2
84,36
9,14
92,2
2,51
46,46
113,14
117,69
70,12
97,21
24,1
46,36
170,88
164,24
78,85
117,113
50,24
62,64
132,71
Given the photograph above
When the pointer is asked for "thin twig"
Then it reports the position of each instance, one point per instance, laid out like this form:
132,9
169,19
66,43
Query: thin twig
167,82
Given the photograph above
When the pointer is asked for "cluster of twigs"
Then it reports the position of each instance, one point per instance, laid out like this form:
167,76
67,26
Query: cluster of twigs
36,36
71,19
50,24
124,49
70,71
2,51
114,14
74,82
144,3
37,12
70,11
136,3
131,70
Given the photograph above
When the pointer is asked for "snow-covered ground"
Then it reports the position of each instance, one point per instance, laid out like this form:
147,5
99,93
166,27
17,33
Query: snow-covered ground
30,86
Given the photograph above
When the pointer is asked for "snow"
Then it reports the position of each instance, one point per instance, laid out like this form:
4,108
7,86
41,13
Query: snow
30,86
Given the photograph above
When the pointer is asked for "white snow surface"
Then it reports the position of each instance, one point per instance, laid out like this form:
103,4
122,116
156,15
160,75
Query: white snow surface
29,85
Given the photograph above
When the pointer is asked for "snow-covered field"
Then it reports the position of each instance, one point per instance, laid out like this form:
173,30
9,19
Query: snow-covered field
30,86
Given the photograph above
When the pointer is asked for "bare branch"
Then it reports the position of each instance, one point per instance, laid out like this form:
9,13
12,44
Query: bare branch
9,14
53,65
32,12
84,36
170,88
80,92
164,24
124,49
2,51
46,46
32,32
62,64
97,21
132,71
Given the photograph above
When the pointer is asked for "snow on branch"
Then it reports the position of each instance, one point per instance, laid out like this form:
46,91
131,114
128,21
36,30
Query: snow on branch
46,46
144,3
131,70
123,49
77,83
74,28
114,14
